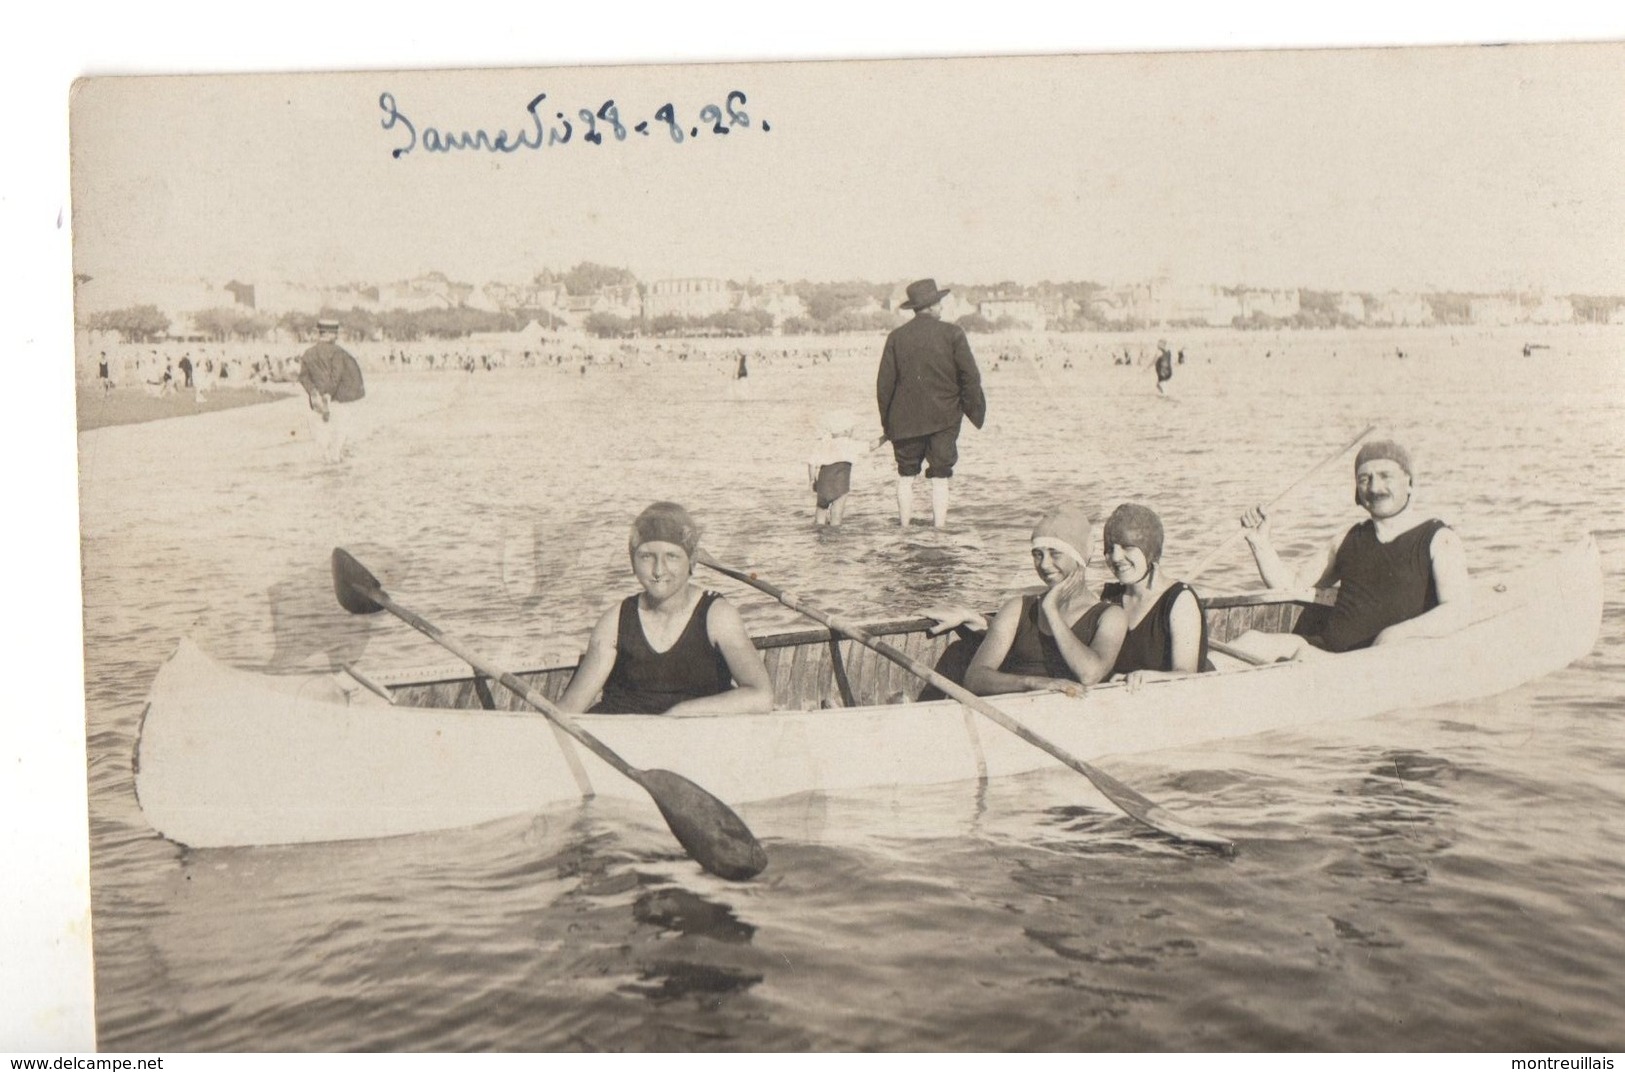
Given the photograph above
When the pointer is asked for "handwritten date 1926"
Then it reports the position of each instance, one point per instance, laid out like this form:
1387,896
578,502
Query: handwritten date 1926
539,131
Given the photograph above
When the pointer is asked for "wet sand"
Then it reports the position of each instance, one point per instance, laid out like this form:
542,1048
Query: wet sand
133,405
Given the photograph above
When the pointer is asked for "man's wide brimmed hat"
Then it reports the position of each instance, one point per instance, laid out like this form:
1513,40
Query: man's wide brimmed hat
923,294
327,327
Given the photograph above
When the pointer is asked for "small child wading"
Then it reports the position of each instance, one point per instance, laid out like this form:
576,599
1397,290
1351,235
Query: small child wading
829,466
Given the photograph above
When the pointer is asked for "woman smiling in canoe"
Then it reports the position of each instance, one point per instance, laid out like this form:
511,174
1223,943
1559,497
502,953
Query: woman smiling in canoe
674,648
1167,628
1058,639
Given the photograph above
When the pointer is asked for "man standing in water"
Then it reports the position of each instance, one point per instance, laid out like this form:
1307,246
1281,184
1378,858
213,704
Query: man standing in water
329,374
1401,575
928,380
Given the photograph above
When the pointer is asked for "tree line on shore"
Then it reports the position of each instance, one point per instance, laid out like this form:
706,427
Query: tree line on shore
825,309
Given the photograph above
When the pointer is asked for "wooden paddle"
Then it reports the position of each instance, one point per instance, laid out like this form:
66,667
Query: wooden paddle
1234,534
1237,654
1132,803
708,829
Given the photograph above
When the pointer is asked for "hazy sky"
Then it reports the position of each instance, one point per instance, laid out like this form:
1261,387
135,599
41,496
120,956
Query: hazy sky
1468,168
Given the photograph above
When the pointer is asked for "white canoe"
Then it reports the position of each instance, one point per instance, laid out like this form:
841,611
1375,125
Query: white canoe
230,757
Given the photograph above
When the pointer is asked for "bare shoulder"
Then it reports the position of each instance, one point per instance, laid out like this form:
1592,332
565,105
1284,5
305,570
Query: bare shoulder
1446,541
1445,534
608,626
1010,608
1187,602
724,615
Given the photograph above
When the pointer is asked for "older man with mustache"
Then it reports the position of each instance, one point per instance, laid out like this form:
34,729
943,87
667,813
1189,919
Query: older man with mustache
1400,575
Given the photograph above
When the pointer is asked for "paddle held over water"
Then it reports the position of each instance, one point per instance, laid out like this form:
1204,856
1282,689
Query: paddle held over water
708,829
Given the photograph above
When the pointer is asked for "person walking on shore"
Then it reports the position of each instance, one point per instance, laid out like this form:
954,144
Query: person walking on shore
928,381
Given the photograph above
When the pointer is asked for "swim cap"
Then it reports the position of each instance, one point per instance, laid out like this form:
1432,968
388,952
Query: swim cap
1133,525
1379,449
665,522
1065,529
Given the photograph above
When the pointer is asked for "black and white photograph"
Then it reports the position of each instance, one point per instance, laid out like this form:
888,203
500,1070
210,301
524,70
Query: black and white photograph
1092,551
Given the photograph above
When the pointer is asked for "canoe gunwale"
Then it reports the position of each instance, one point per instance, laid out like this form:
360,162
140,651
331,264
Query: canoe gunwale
425,677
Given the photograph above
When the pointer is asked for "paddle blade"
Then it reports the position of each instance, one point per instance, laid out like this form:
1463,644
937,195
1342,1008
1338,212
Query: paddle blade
714,836
347,575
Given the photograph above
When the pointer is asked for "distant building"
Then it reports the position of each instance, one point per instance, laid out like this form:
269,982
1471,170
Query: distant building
429,291
1275,304
1024,311
1187,304
778,301
688,298
1496,311
1394,309
1352,306
1553,311
622,299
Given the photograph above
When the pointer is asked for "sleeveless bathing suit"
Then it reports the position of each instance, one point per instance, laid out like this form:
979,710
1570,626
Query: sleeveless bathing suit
648,682
1150,644
1035,653
1380,584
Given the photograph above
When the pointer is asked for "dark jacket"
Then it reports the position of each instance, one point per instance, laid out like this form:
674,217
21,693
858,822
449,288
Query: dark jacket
928,377
329,369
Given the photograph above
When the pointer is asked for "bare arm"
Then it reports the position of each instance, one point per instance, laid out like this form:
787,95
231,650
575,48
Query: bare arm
945,617
1454,588
1185,623
593,669
1274,572
983,676
753,691
1091,662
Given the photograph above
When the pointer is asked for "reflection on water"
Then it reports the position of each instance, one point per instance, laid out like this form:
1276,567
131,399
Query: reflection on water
688,914
1430,880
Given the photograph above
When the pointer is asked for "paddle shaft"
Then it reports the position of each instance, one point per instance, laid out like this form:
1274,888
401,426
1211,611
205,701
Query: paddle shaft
1237,653
1224,545
540,702
1129,800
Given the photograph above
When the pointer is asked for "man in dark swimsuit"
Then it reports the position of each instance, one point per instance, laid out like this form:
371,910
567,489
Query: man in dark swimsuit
1165,365
1401,575
673,648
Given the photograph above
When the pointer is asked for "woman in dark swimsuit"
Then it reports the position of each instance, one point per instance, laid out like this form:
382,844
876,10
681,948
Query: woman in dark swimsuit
1060,638
1167,626
673,648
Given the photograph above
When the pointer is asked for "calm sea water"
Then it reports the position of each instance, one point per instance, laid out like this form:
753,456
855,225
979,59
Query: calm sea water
1445,879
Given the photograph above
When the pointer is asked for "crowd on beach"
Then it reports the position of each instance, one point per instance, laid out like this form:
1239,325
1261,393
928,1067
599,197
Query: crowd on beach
259,362
173,368
113,363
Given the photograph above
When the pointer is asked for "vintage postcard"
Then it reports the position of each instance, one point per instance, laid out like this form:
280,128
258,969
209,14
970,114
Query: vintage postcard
821,556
